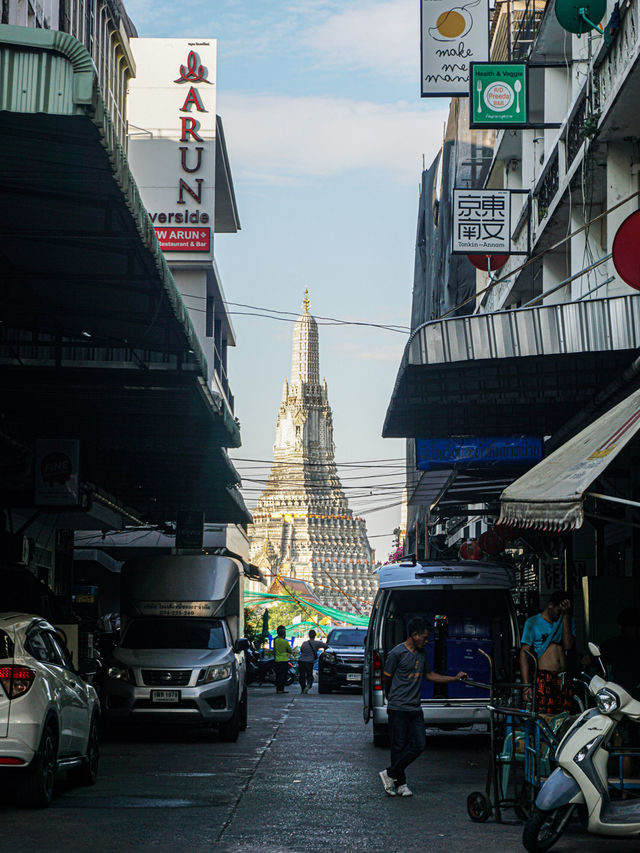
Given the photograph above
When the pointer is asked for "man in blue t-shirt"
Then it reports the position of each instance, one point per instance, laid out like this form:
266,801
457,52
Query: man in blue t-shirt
404,668
548,636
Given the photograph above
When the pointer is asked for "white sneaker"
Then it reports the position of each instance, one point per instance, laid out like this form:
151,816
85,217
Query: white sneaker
404,791
388,783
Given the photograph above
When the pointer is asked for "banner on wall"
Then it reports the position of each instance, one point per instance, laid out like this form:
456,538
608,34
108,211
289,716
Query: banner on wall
452,36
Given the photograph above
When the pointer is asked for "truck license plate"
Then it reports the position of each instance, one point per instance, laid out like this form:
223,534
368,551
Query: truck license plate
165,695
354,676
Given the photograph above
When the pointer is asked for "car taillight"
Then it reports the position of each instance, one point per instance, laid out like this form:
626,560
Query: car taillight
377,672
16,680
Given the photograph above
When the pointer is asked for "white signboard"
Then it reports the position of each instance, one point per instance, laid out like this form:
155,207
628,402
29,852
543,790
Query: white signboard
482,221
175,608
453,34
57,474
172,141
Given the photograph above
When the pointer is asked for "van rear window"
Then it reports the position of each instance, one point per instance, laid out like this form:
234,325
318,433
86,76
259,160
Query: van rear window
6,646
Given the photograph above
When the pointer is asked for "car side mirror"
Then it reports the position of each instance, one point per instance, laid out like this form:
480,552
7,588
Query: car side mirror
241,645
88,667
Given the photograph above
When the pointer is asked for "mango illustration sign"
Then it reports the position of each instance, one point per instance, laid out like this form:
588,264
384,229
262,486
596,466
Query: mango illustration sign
499,94
453,34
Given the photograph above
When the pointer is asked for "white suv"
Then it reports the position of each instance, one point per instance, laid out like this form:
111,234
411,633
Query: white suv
48,712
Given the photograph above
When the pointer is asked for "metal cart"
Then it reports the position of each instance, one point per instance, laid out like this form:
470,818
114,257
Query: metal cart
522,748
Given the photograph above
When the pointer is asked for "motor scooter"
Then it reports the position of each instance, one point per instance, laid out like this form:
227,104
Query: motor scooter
580,781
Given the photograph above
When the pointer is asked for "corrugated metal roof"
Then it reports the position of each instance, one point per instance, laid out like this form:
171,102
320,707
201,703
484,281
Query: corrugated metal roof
47,71
512,371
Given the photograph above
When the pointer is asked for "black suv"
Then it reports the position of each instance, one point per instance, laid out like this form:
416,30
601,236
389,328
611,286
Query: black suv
342,662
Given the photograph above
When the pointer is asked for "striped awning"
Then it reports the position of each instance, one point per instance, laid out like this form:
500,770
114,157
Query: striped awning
550,496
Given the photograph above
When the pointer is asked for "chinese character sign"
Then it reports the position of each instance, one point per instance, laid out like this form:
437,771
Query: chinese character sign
482,221
453,35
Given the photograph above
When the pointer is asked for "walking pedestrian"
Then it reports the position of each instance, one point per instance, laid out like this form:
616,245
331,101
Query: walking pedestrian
282,651
306,660
404,668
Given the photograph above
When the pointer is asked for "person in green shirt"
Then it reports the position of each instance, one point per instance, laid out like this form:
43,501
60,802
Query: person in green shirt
282,652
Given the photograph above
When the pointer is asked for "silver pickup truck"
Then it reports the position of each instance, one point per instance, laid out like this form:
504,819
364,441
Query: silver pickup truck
181,656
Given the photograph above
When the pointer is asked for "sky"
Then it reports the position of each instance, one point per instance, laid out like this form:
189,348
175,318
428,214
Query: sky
326,134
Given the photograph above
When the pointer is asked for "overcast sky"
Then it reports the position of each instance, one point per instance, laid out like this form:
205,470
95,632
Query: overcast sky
326,134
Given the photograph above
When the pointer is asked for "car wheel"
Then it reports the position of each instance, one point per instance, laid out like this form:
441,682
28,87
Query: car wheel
380,735
230,729
323,687
244,710
87,773
36,790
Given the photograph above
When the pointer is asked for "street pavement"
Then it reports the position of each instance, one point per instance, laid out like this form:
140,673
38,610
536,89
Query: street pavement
303,778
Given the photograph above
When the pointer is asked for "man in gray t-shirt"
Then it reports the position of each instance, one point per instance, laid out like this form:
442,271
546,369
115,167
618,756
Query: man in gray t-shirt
404,668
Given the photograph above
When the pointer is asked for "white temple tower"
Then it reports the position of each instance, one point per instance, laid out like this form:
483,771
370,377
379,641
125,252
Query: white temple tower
303,526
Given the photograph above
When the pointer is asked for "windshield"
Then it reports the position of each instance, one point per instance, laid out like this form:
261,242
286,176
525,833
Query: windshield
346,638
175,634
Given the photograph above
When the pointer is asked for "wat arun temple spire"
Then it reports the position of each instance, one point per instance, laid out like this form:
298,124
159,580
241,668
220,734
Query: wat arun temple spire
303,526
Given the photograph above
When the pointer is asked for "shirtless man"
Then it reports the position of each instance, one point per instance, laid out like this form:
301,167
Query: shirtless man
548,636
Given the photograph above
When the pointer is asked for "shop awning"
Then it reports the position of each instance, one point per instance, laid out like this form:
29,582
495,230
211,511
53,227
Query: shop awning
550,495
514,372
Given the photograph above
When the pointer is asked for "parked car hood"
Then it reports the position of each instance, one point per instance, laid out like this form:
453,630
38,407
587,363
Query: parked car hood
346,650
167,658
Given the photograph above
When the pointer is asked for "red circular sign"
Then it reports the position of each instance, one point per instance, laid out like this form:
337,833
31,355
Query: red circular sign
626,255
470,550
56,468
481,262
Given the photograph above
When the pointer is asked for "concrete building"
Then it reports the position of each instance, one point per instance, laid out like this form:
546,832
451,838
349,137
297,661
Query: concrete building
549,344
302,525
112,413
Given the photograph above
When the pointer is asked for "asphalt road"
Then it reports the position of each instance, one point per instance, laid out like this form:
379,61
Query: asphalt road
303,778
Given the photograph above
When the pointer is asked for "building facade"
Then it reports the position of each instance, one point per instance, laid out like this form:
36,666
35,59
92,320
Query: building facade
302,525
548,345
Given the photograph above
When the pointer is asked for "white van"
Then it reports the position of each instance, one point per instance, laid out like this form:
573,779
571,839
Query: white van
470,606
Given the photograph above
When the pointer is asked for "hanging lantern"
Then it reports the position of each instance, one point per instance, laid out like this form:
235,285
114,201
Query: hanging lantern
491,542
488,262
470,550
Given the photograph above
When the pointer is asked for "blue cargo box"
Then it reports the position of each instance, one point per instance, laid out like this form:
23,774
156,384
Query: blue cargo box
464,656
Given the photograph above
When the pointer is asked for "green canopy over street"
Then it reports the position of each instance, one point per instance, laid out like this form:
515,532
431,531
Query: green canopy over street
338,616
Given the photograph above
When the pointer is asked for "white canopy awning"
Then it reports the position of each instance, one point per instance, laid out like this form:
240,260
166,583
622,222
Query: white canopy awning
551,494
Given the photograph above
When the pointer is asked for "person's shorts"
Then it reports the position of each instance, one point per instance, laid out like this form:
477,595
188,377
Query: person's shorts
554,695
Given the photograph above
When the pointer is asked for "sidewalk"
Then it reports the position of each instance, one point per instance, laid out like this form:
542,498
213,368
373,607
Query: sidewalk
316,790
